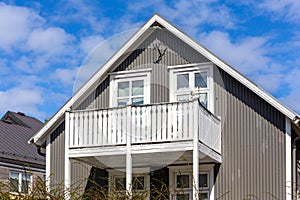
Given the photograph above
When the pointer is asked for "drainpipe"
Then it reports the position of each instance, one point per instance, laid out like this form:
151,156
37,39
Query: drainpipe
38,148
294,168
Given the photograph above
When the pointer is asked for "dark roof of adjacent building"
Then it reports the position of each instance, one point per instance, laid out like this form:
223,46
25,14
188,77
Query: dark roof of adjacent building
15,130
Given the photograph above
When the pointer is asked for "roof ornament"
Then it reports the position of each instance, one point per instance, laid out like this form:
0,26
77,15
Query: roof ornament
161,52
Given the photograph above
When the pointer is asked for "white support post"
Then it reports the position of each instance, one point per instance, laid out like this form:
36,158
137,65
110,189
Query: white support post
288,157
195,151
128,154
67,160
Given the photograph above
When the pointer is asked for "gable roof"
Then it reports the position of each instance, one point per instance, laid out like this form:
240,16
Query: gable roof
158,21
15,130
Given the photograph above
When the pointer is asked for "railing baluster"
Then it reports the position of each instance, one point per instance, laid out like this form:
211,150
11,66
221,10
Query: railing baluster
104,135
86,128
164,123
100,127
169,121
148,122
90,121
179,122
144,124
113,126
138,124
153,124
95,122
109,126
71,130
76,129
81,130
158,125
118,126
174,121
190,120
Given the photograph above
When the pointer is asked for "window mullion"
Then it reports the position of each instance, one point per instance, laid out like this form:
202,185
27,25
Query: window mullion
20,182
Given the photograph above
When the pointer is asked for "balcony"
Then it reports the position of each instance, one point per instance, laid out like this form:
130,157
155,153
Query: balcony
142,125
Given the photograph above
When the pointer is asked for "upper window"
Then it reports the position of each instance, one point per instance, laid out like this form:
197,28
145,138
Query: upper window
130,92
19,181
190,82
130,88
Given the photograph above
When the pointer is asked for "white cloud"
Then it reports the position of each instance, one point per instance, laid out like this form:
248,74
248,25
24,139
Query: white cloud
89,43
53,41
190,14
65,76
289,9
16,24
21,99
248,55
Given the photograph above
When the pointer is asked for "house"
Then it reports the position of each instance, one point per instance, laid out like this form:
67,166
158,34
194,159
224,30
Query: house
20,163
163,110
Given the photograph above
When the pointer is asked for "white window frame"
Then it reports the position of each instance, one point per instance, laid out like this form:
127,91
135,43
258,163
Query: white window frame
113,174
191,70
20,179
132,75
182,170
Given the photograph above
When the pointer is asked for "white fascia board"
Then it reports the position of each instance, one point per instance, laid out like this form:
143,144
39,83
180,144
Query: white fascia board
260,92
39,138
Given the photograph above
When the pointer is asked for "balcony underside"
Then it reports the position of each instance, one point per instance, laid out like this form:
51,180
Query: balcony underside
146,155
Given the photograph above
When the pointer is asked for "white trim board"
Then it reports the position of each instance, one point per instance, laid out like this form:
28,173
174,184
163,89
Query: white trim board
39,138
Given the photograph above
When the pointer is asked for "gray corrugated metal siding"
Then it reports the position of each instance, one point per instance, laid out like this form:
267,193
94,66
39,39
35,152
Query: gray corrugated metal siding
253,143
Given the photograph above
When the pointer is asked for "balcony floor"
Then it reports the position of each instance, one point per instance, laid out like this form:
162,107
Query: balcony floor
144,155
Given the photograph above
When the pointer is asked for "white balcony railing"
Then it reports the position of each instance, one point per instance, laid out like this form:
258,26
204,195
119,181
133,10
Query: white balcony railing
155,123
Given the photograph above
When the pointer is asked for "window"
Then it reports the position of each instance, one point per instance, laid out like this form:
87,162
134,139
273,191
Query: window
184,186
130,93
190,82
19,181
130,88
138,183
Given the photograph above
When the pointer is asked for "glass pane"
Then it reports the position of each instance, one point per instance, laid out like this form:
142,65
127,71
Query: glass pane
201,80
138,101
24,188
183,97
183,181
138,183
14,181
25,176
203,196
120,183
203,99
203,180
25,182
183,196
123,89
137,88
123,102
182,81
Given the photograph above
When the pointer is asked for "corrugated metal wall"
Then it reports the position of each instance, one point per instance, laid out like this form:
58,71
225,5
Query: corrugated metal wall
57,154
253,143
80,172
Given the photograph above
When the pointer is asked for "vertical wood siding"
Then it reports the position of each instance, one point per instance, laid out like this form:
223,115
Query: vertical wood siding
57,154
80,172
253,143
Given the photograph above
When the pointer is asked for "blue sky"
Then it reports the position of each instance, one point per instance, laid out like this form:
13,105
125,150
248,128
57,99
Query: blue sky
43,43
